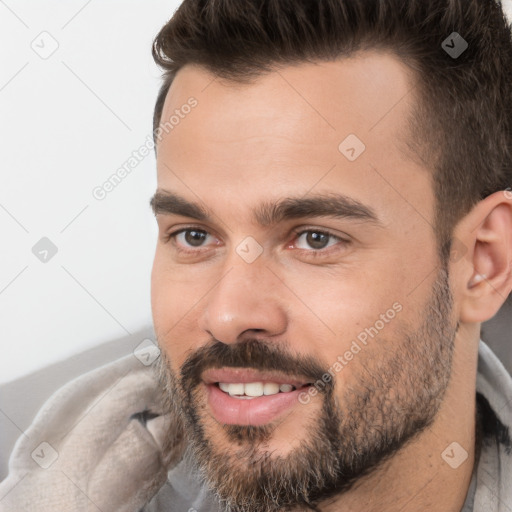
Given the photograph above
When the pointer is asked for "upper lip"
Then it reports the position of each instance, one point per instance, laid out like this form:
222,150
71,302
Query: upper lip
245,375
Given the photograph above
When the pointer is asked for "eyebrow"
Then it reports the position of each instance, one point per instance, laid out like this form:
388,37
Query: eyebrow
269,213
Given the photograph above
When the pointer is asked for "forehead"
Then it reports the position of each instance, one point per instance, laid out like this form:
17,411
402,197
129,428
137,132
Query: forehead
351,93
296,128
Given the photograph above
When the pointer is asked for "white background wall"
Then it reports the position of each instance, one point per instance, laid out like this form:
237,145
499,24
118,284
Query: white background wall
67,122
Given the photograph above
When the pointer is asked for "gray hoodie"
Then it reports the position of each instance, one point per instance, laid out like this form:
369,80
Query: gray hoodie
96,446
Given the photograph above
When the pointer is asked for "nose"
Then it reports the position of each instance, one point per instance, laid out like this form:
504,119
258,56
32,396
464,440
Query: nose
245,302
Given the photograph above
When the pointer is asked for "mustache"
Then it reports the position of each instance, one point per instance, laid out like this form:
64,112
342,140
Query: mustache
250,353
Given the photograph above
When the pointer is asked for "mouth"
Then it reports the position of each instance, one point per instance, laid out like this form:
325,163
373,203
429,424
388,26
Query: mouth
249,397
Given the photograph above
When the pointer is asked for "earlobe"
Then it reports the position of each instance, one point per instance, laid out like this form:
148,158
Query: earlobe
490,282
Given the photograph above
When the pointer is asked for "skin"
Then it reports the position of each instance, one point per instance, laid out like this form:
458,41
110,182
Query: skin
278,137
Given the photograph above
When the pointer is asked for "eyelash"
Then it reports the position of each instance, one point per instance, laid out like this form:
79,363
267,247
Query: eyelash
297,233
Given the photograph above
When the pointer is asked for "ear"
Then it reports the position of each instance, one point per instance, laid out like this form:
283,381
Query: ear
486,235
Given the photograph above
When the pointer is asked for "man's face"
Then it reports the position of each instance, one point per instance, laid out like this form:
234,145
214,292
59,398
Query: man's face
313,261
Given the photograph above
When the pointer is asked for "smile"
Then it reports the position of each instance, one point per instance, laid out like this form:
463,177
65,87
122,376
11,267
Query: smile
249,397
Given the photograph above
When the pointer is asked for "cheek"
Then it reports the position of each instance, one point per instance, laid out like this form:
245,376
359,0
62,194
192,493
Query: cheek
173,290
349,317
343,302
172,304
179,295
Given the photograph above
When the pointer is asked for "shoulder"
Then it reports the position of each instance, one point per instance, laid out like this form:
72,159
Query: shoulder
494,384
494,402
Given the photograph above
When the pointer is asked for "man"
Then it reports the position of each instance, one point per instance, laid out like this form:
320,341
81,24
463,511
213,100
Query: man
335,223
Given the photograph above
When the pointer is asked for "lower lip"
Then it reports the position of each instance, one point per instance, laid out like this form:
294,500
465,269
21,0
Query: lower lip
254,411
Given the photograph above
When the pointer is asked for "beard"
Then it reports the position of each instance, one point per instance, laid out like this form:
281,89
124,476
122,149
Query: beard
392,397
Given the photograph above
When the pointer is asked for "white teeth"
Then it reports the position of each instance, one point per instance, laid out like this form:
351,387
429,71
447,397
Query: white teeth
236,389
270,388
254,389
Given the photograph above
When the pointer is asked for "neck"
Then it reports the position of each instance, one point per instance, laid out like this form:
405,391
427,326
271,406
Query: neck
420,476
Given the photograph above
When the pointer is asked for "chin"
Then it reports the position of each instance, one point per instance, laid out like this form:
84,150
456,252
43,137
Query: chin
274,439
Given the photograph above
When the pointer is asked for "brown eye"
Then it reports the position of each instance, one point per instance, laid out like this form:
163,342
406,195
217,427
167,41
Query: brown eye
194,238
317,240
191,238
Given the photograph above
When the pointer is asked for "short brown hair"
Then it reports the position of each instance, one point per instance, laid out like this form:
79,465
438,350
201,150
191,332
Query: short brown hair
462,124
